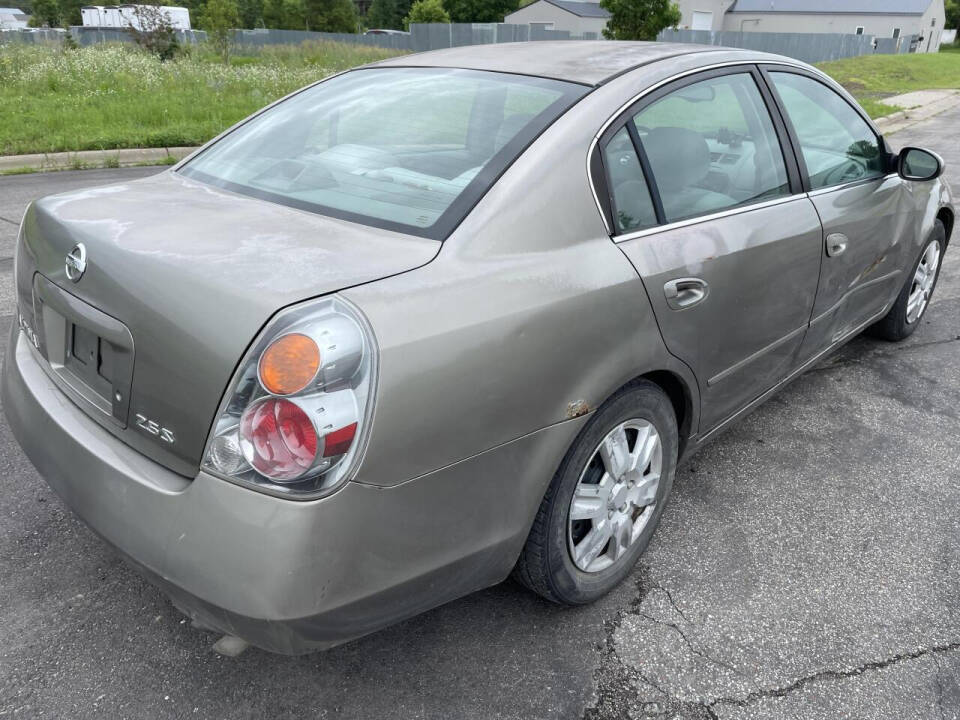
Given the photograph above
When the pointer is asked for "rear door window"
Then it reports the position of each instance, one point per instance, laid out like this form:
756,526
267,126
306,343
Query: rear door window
632,205
712,146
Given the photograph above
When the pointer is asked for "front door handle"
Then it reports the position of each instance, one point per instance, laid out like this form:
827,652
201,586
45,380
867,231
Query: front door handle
836,244
683,293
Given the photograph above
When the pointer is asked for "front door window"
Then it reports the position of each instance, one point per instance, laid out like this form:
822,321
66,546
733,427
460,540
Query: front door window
838,145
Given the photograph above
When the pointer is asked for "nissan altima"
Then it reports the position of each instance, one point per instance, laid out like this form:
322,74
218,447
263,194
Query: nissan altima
449,317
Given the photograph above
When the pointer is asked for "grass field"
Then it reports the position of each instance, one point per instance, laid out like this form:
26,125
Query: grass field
872,77
113,96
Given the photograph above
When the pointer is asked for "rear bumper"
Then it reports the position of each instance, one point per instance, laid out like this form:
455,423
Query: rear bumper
287,576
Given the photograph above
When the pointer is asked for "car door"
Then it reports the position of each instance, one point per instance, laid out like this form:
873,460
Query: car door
863,209
710,212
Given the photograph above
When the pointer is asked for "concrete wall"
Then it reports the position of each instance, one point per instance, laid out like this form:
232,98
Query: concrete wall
880,26
544,12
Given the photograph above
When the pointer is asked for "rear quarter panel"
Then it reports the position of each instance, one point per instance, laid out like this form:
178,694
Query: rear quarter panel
528,308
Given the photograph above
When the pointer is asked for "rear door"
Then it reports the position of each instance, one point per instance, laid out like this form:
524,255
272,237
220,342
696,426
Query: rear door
864,210
711,213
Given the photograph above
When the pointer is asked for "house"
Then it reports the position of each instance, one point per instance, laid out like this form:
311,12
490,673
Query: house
703,14
13,19
576,17
921,19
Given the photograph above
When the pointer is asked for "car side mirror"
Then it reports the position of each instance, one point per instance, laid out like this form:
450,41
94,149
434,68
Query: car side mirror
918,164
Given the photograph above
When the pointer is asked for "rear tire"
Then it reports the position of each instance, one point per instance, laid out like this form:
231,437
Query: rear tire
903,318
564,559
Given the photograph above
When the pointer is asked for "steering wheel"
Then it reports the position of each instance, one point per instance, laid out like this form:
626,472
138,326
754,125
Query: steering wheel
848,172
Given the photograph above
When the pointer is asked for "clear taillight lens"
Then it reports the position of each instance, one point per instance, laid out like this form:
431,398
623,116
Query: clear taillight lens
295,418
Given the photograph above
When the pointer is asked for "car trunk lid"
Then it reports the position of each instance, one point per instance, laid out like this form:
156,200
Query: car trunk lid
179,278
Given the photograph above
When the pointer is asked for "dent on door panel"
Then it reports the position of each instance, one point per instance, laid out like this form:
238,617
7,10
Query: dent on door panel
761,266
877,219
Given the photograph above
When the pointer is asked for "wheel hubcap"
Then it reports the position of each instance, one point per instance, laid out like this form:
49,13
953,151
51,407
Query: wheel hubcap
923,280
614,497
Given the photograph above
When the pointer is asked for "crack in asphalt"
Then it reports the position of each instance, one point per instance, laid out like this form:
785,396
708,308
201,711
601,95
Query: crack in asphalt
943,713
614,677
698,652
9,221
673,603
933,651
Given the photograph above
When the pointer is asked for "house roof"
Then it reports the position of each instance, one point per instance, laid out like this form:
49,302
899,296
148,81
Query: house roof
833,7
581,9
11,11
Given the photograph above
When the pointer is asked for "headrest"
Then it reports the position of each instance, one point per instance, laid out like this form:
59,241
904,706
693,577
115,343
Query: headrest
678,157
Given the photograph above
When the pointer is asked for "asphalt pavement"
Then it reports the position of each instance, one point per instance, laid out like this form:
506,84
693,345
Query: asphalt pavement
806,567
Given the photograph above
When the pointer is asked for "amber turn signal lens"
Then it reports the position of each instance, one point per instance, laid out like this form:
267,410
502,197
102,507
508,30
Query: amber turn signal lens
289,364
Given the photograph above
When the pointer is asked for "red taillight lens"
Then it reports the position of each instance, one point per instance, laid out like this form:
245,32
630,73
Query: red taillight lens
339,441
278,439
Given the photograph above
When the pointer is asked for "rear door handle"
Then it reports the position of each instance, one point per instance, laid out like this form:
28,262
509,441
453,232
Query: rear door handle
683,293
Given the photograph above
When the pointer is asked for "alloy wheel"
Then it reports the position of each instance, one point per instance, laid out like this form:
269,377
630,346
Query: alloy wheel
923,281
615,495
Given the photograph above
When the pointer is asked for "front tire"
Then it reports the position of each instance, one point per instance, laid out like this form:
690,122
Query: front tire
605,501
914,299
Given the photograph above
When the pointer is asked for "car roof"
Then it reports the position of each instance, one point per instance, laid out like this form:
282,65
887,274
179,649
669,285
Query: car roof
589,62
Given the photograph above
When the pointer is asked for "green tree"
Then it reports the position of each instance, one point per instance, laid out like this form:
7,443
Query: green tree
45,12
471,11
384,14
220,17
331,15
426,11
70,12
952,8
639,19
284,14
251,13
196,8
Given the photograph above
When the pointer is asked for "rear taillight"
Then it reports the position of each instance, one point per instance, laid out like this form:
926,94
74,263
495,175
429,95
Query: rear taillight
296,415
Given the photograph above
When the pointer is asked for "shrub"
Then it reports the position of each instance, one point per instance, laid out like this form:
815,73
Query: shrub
153,31
426,11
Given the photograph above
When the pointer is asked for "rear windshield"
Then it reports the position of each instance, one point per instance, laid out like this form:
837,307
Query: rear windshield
409,149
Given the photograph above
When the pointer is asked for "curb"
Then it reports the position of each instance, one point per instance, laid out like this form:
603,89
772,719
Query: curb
89,159
905,118
893,117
